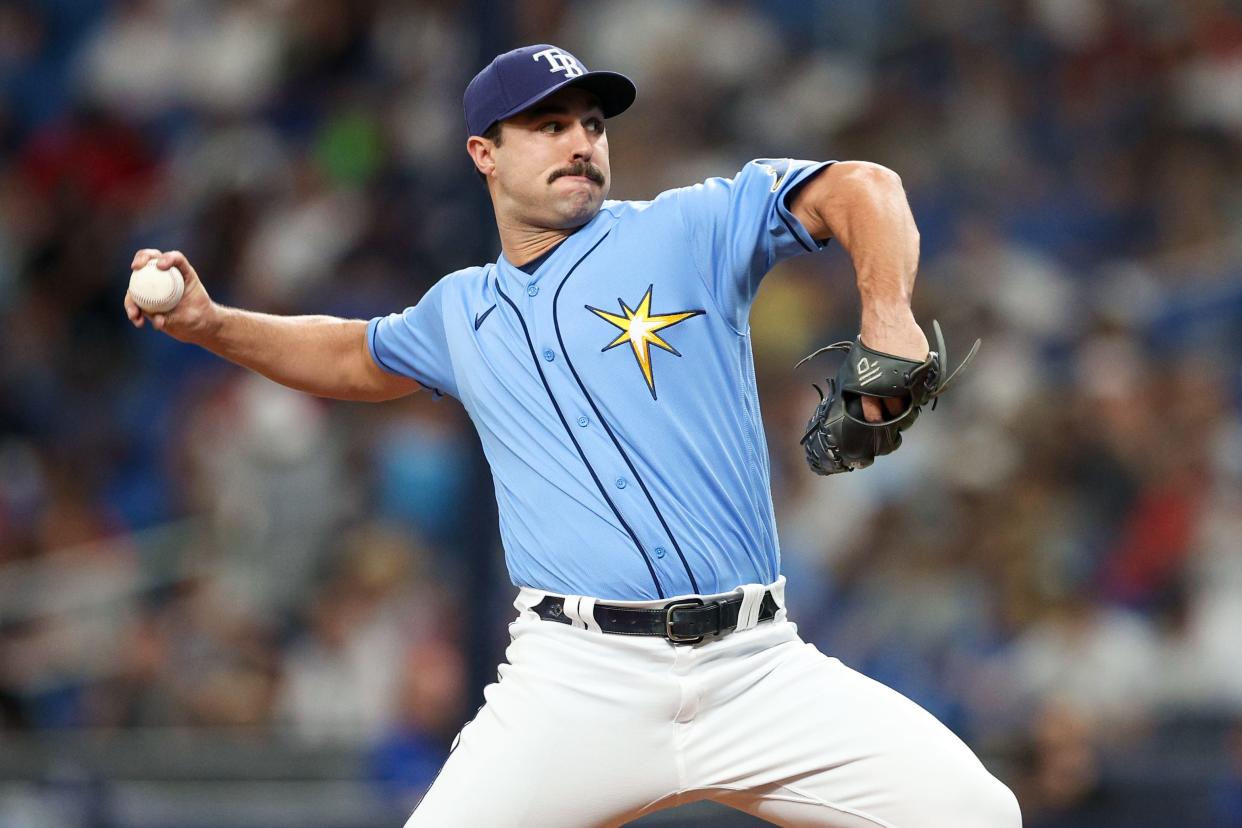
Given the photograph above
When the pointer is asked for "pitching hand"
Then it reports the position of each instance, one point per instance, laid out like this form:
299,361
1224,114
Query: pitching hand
194,314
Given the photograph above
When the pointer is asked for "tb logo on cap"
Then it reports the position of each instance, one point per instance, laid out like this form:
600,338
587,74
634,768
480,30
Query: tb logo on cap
561,62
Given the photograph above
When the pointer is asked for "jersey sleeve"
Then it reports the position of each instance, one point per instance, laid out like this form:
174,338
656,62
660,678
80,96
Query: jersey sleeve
413,343
740,228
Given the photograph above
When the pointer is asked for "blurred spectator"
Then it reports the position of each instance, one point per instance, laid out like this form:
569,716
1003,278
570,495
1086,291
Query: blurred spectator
405,760
1065,777
1229,792
345,676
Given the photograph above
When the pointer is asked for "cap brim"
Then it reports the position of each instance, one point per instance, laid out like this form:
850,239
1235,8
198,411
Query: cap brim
615,91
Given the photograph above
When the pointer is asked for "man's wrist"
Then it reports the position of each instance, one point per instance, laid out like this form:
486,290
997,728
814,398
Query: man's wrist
880,316
210,330
893,330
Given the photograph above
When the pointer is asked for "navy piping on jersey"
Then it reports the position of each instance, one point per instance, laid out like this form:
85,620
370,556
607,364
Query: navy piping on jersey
436,391
564,424
556,321
805,246
378,358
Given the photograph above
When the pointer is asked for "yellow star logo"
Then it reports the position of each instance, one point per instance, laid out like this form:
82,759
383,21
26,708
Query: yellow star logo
638,327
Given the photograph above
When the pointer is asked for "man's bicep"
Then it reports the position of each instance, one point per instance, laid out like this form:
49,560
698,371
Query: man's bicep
826,202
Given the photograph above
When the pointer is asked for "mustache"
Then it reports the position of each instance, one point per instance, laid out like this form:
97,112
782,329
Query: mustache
583,168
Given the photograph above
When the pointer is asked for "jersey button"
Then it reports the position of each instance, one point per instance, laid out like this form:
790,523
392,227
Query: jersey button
660,552
583,421
548,355
621,484
532,290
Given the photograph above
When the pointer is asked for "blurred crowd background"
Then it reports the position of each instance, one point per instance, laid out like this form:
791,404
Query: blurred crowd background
223,603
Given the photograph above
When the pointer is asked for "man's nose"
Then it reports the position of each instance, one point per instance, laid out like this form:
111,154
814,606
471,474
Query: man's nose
581,144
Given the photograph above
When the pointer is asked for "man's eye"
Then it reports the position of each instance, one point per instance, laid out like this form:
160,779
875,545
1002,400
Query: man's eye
595,125
550,126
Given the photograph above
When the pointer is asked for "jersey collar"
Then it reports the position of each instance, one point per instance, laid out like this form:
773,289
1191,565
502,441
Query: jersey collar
564,255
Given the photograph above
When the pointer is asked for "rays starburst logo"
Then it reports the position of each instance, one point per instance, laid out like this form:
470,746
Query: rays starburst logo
638,327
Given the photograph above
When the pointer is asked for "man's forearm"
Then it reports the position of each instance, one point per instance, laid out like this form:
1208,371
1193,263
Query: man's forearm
321,355
864,207
878,232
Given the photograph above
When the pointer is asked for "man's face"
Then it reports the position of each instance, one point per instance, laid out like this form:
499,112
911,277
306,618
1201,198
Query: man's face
551,165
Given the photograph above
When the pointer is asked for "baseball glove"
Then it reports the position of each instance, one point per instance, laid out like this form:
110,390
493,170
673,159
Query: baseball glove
838,438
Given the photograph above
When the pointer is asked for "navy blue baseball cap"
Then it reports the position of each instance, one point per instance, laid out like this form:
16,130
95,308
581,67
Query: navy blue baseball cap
519,79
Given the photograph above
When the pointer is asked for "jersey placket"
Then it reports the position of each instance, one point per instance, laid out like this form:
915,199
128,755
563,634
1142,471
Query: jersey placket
606,464
657,538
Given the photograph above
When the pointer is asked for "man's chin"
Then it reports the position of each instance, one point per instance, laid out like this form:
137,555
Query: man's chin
576,212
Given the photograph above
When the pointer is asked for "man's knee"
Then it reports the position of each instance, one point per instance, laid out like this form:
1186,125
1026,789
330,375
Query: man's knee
988,803
965,796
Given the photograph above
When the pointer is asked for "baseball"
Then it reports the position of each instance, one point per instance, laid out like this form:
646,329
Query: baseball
155,290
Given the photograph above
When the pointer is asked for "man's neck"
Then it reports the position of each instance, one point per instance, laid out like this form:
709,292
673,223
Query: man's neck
525,244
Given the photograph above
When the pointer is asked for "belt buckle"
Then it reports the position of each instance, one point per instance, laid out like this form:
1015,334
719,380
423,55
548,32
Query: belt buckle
668,621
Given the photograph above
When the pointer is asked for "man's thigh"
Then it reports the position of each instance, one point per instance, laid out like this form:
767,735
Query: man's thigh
815,743
568,737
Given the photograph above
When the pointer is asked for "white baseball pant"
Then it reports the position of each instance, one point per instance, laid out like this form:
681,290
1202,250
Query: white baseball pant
585,728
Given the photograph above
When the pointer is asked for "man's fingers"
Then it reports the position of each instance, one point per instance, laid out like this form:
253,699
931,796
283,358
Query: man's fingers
177,259
872,412
164,259
143,256
174,258
876,410
132,311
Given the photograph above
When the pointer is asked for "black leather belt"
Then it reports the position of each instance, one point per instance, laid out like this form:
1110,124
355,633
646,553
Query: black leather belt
681,622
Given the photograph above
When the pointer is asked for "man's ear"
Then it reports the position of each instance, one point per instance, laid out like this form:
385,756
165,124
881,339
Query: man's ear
482,153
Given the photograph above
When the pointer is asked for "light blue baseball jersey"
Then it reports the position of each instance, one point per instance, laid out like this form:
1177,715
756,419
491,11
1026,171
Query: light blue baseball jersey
614,389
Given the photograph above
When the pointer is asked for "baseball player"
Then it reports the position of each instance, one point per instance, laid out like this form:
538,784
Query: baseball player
605,360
